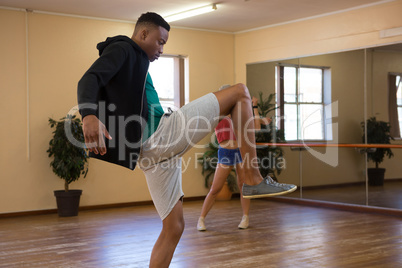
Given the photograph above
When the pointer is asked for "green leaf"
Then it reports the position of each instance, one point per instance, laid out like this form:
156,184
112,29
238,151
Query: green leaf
69,162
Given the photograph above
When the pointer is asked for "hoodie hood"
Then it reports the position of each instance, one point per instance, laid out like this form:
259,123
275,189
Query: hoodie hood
102,45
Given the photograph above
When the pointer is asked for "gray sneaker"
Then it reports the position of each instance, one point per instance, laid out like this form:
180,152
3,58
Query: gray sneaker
268,187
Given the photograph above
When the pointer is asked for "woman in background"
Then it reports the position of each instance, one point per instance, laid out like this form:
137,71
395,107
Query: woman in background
229,157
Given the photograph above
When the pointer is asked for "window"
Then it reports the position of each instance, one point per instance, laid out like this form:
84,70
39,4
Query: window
398,87
168,77
395,103
302,94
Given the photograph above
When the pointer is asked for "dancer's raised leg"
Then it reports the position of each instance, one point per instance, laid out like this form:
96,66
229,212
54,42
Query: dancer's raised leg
236,100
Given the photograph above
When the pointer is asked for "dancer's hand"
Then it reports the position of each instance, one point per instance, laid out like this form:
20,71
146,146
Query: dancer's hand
266,121
254,100
94,134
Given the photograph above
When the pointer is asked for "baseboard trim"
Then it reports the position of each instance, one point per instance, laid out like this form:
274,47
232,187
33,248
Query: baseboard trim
94,207
27,213
338,206
290,200
347,184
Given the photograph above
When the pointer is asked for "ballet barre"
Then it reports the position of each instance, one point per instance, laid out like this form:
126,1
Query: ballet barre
339,145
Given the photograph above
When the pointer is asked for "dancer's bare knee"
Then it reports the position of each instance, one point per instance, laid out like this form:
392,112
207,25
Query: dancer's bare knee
178,229
174,229
214,192
230,97
242,91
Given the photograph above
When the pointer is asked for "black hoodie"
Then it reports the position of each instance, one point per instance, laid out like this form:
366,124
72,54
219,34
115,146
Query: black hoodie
113,89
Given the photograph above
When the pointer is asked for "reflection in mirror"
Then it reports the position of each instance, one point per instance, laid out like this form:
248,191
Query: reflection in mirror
384,71
337,174
323,104
265,78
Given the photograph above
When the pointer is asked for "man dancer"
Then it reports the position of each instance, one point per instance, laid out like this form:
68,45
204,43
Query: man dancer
117,99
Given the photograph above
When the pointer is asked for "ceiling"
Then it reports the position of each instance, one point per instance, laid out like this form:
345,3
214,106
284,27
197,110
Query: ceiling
231,16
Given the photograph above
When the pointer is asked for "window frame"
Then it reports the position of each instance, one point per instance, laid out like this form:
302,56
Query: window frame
393,104
326,122
179,80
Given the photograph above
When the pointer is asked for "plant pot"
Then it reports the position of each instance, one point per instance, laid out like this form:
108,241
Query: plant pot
376,176
225,194
68,202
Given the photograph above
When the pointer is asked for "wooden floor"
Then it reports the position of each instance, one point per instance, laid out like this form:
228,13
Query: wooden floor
280,235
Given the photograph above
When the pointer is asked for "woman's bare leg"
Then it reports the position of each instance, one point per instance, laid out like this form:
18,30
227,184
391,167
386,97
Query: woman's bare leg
221,173
245,203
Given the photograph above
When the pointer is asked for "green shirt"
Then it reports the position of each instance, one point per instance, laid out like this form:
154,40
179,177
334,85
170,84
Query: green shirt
155,110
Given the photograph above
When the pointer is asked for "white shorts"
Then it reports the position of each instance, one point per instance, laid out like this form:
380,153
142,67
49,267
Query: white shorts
161,153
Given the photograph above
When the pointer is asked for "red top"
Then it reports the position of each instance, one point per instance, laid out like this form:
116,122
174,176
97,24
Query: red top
224,130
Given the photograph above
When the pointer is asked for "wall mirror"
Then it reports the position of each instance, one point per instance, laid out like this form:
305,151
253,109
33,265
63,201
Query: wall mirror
325,99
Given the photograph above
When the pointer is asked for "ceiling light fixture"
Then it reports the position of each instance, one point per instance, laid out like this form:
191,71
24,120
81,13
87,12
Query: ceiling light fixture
191,13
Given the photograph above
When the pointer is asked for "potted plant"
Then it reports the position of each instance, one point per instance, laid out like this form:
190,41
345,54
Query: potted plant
69,161
378,132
